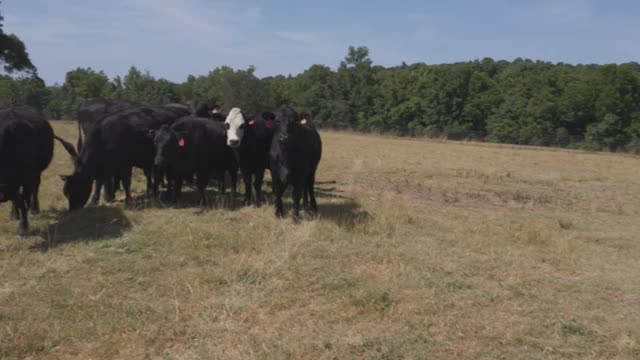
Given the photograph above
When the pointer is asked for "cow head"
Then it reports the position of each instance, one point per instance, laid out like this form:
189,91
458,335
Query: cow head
235,124
287,120
77,187
167,144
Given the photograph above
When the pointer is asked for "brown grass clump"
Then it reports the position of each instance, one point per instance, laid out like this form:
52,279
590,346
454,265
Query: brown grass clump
423,250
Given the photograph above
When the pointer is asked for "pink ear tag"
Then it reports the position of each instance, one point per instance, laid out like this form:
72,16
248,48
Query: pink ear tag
269,124
251,122
181,142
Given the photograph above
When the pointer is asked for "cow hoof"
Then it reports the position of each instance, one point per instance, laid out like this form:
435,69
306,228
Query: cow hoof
35,212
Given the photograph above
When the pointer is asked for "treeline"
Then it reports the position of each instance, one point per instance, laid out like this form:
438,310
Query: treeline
519,102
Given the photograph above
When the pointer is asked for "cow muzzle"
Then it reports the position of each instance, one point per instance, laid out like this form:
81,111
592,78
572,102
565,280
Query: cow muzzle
234,143
284,139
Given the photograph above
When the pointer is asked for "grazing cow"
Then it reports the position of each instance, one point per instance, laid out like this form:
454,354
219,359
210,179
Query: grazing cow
26,149
112,148
250,137
295,152
92,111
194,145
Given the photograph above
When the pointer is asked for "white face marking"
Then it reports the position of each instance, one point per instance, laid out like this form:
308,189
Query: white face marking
235,127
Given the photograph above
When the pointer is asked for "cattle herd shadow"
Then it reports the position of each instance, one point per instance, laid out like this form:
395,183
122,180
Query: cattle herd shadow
88,224
111,222
189,198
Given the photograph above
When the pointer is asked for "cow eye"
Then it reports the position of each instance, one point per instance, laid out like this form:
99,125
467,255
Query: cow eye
226,126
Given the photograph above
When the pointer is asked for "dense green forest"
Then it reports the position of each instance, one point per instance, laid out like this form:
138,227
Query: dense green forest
519,102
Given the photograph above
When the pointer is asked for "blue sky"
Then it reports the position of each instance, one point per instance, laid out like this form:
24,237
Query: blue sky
175,38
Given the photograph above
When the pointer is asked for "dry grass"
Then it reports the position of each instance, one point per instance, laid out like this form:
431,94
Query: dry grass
423,250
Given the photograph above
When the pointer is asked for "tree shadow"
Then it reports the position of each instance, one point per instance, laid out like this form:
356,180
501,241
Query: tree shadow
87,224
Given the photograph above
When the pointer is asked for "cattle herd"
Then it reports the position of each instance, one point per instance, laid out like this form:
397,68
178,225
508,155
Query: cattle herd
172,144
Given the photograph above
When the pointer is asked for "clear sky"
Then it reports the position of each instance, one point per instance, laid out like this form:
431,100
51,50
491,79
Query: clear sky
175,38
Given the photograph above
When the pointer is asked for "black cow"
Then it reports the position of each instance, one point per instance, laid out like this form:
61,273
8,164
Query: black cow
112,148
250,137
92,111
295,152
26,149
204,109
194,145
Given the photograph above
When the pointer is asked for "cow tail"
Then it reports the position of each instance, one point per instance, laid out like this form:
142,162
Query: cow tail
79,147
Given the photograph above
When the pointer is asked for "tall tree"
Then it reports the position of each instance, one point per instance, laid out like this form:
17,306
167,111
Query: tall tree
13,52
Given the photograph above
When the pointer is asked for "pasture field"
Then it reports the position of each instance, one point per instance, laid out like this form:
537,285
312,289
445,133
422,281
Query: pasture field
423,250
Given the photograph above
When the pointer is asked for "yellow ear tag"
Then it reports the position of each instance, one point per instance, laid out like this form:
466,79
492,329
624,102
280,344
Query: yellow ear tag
303,121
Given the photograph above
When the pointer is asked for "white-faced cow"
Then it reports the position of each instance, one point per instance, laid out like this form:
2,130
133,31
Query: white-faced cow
250,137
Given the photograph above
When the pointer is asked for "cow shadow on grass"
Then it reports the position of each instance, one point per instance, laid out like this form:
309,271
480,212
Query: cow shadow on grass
87,224
347,214
188,199
333,206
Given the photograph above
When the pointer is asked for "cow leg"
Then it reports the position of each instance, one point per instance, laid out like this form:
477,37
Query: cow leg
149,174
158,174
305,197
35,202
247,188
126,184
177,188
222,182
15,215
170,186
23,203
202,180
310,188
96,194
278,191
109,192
258,187
297,193
233,173
22,207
